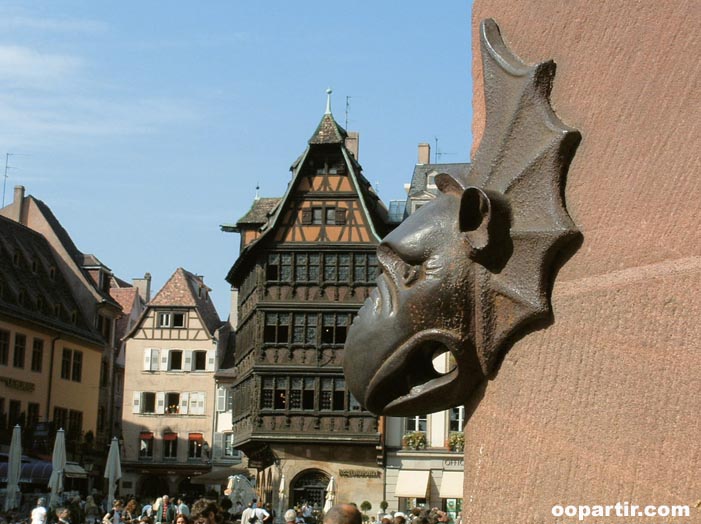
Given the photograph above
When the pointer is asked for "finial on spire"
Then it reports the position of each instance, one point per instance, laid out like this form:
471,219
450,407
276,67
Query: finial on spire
328,100
257,197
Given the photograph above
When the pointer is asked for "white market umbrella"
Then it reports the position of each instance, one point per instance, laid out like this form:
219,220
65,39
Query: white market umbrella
243,490
58,464
230,486
330,495
281,499
14,468
113,470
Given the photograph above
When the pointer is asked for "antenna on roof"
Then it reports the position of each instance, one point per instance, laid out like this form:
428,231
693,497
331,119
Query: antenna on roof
328,100
257,197
438,154
347,111
4,180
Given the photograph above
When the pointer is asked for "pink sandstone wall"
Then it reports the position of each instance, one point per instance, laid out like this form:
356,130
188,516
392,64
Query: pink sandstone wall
605,404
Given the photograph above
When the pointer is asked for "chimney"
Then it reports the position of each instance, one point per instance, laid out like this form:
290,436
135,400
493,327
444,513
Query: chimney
352,143
144,286
14,210
424,153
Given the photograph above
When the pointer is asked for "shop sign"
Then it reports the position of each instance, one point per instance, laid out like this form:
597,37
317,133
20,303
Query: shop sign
17,384
359,473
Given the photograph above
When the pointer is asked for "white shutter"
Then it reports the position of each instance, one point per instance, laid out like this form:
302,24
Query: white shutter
201,403
154,360
164,359
211,359
147,360
218,450
193,403
221,399
187,360
160,402
136,405
184,401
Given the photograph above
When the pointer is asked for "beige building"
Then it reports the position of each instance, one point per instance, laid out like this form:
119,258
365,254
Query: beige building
56,335
88,281
171,355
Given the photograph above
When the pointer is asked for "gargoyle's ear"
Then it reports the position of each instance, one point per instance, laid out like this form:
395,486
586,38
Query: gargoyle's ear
447,184
475,213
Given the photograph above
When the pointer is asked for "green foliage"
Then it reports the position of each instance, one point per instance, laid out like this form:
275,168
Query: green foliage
414,440
365,505
383,505
457,441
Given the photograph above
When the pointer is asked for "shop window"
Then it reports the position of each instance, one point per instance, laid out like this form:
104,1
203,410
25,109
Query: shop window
229,450
18,357
170,445
37,354
417,423
195,445
176,360
199,359
4,347
457,418
172,406
277,328
145,445
334,327
148,403
333,392
304,331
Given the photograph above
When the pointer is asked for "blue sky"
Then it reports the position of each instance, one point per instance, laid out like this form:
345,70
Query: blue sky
146,125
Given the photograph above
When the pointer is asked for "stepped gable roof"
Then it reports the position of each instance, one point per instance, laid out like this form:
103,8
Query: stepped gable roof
29,292
260,210
185,289
78,257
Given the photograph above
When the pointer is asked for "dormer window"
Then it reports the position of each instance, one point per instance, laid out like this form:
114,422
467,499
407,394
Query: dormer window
52,273
431,180
74,316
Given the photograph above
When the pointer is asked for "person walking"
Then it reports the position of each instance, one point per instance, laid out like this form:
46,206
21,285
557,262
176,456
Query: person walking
166,511
39,513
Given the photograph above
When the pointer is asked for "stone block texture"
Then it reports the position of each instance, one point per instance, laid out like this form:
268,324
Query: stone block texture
604,404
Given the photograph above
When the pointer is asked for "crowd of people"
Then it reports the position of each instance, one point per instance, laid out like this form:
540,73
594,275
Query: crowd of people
164,510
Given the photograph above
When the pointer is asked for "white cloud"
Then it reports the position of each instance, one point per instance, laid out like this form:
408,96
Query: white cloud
29,68
9,22
30,120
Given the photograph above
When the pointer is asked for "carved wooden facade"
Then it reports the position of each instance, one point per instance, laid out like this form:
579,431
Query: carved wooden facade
305,269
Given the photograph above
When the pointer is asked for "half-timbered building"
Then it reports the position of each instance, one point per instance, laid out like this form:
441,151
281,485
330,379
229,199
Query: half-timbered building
171,355
307,264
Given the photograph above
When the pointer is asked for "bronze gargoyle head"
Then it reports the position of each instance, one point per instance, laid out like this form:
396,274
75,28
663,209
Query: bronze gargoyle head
468,270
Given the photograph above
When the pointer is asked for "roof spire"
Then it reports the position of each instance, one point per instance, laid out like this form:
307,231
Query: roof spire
328,101
257,197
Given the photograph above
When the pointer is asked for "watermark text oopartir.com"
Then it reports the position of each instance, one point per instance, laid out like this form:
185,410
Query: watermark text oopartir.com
619,509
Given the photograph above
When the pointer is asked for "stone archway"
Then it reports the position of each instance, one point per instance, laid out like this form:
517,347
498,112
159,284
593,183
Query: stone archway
309,486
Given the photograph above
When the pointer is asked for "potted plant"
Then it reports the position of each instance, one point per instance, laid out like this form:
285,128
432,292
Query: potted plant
457,441
414,440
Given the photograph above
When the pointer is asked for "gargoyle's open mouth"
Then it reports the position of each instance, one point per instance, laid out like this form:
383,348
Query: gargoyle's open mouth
408,378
